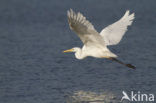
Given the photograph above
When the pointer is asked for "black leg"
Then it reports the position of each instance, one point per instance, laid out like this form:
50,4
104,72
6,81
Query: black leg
128,65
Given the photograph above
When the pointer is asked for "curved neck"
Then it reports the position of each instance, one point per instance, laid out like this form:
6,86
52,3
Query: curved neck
79,54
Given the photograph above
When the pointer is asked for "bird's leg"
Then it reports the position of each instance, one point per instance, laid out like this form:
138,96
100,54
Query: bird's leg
128,65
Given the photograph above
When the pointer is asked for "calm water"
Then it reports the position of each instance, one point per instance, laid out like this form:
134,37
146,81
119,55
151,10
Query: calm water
33,34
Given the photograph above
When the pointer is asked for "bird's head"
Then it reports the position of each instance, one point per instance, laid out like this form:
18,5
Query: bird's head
78,52
75,49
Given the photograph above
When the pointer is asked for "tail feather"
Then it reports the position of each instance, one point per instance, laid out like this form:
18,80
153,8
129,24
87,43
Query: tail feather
128,65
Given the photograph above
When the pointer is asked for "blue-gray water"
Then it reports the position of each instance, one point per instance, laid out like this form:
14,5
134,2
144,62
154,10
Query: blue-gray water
33,34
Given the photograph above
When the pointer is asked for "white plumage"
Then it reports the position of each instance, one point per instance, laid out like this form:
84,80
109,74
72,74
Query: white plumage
95,44
114,32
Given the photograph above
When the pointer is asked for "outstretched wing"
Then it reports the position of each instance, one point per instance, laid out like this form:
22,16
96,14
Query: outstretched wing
114,33
83,28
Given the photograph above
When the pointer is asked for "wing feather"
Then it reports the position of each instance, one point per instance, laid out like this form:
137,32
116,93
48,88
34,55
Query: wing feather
114,32
83,28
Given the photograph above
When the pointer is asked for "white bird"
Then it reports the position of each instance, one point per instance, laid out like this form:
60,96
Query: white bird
95,44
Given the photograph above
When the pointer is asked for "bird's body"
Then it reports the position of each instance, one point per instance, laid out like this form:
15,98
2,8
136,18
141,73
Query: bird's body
95,44
94,51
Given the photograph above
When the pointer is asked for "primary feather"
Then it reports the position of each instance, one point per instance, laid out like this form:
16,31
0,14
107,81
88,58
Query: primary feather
114,32
84,29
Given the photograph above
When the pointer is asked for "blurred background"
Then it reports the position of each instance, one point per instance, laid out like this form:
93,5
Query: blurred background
33,34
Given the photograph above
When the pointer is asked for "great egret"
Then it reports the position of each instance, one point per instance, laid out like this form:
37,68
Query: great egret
95,44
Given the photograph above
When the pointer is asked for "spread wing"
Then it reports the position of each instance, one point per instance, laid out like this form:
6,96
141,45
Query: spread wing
83,28
114,33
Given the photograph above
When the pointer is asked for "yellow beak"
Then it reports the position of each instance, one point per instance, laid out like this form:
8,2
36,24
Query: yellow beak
69,50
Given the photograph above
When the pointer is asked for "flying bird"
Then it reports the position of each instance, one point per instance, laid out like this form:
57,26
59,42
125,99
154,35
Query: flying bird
95,44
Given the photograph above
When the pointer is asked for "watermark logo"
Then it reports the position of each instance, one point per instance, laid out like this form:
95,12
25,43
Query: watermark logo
137,96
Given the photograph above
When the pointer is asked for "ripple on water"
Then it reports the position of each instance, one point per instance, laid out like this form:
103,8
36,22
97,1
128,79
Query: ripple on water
92,97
